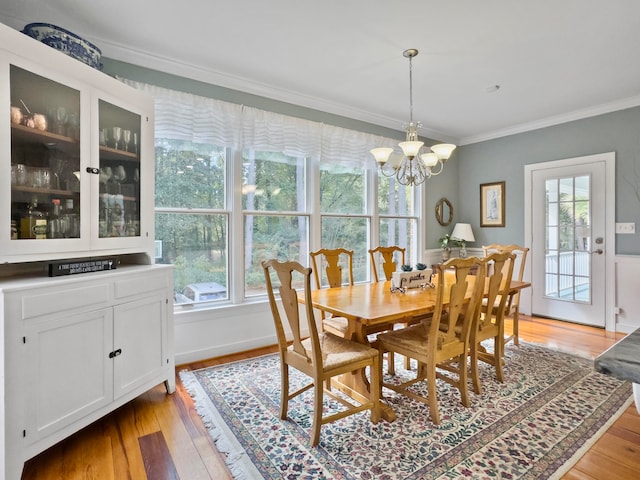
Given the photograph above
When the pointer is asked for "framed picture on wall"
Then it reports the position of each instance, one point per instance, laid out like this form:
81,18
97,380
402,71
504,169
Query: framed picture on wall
492,204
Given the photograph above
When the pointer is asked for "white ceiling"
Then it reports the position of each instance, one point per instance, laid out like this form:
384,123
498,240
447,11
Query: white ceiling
553,60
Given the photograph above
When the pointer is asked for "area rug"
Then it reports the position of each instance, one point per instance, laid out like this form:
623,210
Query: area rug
536,425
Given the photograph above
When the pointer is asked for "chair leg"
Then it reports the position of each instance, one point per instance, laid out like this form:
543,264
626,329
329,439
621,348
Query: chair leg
284,391
462,379
516,314
391,366
317,413
432,393
475,375
407,363
498,356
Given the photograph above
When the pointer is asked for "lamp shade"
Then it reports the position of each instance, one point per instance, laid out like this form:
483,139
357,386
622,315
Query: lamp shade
462,231
443,150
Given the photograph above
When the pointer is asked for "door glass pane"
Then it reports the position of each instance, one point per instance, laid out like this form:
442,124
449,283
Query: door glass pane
45,158
119,136
568,237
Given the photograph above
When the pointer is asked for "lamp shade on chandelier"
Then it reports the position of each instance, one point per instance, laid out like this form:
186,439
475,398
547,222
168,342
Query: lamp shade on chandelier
412,167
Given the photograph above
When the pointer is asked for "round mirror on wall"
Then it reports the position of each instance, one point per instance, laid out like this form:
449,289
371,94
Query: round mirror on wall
444,212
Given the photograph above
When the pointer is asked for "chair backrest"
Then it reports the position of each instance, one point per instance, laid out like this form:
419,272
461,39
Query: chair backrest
286,273
497,290
330,259
518,267
520,252
452,323
383,256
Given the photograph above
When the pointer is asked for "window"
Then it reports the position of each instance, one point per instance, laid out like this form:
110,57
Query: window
276,222
278,186
191,221
398,220
344,221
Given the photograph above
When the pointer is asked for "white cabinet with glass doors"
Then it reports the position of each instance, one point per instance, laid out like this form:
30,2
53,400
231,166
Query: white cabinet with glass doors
77,158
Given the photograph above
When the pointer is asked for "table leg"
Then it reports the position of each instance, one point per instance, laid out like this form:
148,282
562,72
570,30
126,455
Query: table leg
356,384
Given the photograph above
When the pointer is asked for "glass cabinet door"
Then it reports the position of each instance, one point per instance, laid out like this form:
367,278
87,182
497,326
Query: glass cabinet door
45,158
119,182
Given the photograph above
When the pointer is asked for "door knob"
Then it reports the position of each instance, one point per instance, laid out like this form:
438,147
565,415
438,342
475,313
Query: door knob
599,251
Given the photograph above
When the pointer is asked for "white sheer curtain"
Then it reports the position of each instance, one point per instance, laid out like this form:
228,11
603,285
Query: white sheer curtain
184,116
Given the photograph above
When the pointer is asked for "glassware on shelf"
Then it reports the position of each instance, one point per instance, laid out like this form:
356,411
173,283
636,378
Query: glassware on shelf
34,224
61,115
21,174
116,137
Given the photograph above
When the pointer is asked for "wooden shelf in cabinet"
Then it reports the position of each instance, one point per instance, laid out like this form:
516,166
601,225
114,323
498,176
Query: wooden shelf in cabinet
43,191
108,153
28,134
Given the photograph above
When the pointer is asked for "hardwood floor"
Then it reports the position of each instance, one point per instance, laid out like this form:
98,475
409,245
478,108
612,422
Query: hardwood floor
161,437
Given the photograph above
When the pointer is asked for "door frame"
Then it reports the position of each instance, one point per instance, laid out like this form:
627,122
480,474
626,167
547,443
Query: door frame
609,159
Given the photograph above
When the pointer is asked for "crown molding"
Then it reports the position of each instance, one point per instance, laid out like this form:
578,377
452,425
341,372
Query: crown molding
601,109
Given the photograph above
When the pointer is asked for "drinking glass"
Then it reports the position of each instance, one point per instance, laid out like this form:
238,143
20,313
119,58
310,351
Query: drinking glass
117,137
126,138
21,174
61,115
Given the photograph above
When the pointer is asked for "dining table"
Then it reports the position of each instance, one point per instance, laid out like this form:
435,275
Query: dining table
377,303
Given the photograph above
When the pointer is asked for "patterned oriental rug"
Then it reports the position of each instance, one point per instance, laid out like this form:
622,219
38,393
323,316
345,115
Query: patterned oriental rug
536,425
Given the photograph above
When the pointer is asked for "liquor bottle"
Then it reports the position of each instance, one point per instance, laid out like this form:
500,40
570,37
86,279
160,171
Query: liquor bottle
55,221
70,220
34,224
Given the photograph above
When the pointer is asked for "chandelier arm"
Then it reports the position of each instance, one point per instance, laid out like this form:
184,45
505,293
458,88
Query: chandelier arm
387,170
441,163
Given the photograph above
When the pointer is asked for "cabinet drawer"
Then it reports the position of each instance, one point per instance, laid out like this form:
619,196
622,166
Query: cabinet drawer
139,285
35,305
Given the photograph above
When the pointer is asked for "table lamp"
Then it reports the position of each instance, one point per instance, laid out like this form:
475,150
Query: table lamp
463,233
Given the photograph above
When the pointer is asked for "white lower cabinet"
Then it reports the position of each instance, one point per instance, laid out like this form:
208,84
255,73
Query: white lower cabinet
77,348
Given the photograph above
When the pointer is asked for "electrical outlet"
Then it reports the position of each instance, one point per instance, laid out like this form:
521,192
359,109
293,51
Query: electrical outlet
626,227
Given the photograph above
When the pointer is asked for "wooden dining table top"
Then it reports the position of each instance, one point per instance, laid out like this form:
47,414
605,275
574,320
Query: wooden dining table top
374,303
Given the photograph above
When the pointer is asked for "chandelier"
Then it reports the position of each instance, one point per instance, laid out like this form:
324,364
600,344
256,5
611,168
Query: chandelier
412,167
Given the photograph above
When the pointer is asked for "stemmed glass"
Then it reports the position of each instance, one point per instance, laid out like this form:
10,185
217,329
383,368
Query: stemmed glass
61,116
117,137
126,138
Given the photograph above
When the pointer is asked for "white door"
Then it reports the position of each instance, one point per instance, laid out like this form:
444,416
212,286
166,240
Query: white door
569,239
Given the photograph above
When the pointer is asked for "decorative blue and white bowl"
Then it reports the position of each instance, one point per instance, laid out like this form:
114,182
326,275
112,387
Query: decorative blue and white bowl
65,41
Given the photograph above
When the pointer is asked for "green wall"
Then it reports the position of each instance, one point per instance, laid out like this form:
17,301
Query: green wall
505,158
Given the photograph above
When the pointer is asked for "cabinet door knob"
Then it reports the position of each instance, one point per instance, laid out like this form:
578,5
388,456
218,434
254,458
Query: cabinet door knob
115,353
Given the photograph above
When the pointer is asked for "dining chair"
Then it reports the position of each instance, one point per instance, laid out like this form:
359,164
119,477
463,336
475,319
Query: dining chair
335,278
441,342
490,324
384,257
329,261
322,355
513,302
